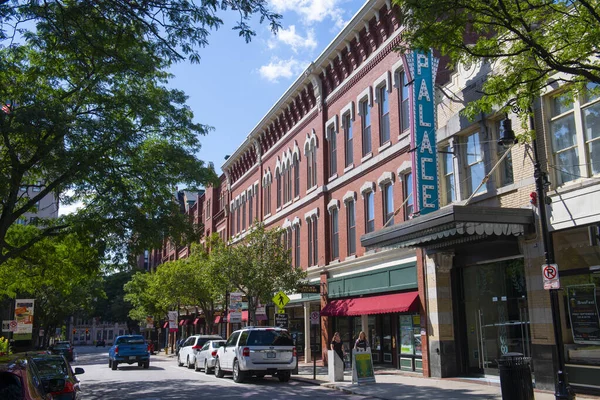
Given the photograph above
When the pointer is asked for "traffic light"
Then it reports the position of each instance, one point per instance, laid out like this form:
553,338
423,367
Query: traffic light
74,331
87,331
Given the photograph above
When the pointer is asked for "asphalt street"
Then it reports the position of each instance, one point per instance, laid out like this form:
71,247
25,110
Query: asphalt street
165,380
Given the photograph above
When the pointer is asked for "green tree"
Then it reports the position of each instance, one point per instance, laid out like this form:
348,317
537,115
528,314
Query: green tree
258,266
89,117
523,43
141,293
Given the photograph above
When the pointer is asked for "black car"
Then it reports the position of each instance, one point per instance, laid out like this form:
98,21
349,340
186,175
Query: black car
62,348
57,367
101,342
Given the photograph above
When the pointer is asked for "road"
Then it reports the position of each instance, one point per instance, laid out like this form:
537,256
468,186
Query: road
165,380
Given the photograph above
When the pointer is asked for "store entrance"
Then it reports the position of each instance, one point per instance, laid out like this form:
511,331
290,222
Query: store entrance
495,313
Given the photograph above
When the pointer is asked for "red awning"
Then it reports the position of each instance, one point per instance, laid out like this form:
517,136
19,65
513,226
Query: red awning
218,319
166,325
258,317
184,322
386,303
198,321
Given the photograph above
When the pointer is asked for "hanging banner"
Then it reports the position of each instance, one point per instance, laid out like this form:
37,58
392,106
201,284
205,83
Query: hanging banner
583,311
235,307
423,69
172,315
24,318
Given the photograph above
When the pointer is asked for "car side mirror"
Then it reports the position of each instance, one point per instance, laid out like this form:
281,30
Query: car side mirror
79,371
55,385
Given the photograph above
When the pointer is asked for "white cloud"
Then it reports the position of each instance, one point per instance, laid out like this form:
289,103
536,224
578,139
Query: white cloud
312,11
278,68
294,40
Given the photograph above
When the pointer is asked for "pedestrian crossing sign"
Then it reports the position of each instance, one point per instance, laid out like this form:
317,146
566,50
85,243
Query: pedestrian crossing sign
280,300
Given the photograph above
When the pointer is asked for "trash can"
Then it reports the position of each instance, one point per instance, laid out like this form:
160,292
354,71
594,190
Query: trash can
515,377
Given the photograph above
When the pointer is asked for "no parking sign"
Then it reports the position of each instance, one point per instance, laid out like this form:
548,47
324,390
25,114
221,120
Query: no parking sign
550,275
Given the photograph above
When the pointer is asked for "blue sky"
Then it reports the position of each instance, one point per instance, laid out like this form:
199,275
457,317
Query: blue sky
236,83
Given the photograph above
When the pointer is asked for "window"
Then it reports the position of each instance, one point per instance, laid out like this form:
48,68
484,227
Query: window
348,149
297,246
250,219
288,242
244,215
313,250
296,178
575,141
369,211
365,113
37,187
332,150
351,223
335,242
311,165
449,184
505,170
267,199
288,175
278,180
403,100
388,204
475,166
384,115
407,186
208,209
238,219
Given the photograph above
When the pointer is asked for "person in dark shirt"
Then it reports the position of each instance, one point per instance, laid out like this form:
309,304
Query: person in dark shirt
361,343
338,346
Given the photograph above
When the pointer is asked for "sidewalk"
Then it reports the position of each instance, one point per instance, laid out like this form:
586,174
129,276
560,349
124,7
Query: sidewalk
393,384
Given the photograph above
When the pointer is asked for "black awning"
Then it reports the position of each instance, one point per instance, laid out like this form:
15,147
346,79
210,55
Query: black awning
453,224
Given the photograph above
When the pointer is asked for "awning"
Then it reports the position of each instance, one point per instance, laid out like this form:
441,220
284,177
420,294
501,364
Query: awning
452,225
166,325
198,321
386,303
259,317
218,319
184,322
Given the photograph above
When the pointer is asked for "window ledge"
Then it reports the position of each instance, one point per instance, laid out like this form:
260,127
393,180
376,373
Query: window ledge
333,262
267,215
296,198
352,257
384,146
348,168
312,189
287,204
332,177
278,209
365,158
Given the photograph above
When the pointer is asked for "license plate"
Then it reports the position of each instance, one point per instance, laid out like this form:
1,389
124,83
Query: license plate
131,357
271,354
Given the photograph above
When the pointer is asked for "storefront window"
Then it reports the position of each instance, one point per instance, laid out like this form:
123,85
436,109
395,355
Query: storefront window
374,339
578,256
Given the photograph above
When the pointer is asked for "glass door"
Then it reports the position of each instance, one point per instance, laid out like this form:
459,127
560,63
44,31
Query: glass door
496,313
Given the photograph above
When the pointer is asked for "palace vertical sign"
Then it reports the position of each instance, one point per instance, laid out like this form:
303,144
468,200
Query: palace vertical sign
423,69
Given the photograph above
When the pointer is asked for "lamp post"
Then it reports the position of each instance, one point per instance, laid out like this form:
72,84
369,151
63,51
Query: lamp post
562,388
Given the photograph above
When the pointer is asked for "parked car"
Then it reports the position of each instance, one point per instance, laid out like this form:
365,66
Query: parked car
257,351
21,380
191,347
57,367
205,359
62,348
100,342
129,349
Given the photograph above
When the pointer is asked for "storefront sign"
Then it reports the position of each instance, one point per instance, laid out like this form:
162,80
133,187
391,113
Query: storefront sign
362,367
423,69
24,318
583,311
282,320
308,289
172,315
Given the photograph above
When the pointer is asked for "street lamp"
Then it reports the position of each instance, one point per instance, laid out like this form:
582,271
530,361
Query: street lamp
562,388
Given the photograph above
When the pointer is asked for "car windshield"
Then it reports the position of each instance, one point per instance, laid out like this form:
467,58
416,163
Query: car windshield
131,340
62,346
51,367
217,344
270,338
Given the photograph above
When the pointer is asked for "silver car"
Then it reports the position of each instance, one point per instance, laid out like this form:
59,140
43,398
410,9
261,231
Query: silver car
191,347
205,359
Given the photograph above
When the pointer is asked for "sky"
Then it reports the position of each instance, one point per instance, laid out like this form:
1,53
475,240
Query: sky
236,83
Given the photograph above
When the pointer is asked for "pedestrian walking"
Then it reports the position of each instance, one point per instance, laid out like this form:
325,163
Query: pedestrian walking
361,343
338,346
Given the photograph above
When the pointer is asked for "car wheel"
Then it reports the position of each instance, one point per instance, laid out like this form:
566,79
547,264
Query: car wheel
187,363
140,364
147,365
114,365
218,371
196,367
206,369
284,376
179,361
238,376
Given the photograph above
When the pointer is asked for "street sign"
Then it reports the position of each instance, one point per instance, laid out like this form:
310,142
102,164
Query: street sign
314,318
13,325
550,275
280,300
308,289
281,320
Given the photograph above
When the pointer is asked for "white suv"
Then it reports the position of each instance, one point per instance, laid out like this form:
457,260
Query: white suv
257,351
191,347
